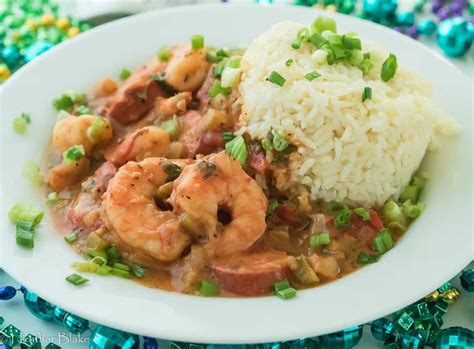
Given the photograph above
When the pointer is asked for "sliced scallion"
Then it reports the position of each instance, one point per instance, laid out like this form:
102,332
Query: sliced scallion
25,234
389,68
312,75
74,153
363,213
320,240
163,54
367,258
367,94
289,62
218,89
137,270
208,289
76,279
172,127
234,61
279,142
272,205
322,24
28,213
412,211
31,171
343,219
71,238
276,78
237,149
125,74
197,42
286,293
121,273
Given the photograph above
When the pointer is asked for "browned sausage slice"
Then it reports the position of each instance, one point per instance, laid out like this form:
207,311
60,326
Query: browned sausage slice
252,274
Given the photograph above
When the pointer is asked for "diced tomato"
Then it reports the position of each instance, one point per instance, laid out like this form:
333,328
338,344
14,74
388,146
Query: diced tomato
375,222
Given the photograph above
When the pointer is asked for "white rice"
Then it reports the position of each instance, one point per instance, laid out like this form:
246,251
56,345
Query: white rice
361,152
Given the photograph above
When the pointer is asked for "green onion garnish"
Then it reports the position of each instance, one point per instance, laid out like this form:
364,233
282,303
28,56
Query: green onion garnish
121,273
412,211
218,69
234,61
172,127
289,62
208,289
64,102
83,110
343,219
76,279
311,76
351,43
303,35
20,123
222,52
296,44
113,255
279,142
218,89
86,267
31,171
267,144
28,213
410,193
95,130
281,285
100,261
272,205
237,149
389,68
392,212
197,42
121,266
137,270
75,153
52,197
26,117
276,78
367,94
71,238
367,258
319,240
227,136
322,24
383,241
286,293
335,207
363,213
104,270
92,253
125,74
25,235
213,58
230,77
163,54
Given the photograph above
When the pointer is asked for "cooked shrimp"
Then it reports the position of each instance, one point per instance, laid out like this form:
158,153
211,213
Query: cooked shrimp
187,69
72,130
173,105
64,175
219,182
147,142
130,211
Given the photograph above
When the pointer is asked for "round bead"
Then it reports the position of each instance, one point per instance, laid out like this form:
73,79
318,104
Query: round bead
455,338
73,31
433,296
31,23
47,19
7,293
346,6
406,19
11,56
38,306
426,27
467,280
63,23
347,338
5,72
59,315
411,340
436,5
331,8
107,338
382,329
36,49
457,7
450,296
454,36
5,346
379,9
150,343
444,13
76,324
413,32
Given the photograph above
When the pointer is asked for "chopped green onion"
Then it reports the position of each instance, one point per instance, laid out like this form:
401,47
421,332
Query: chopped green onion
197,42
311,76
335,207
20,123
289,62
237,149
234,61
104,270
31,171
281,285
320,240
227,136
163,54
28,213
362,212
318,40
322,24
392,212
76,279
367,258
95,242
83,110
222,52
26,117
121,266
77,97
25,234
396,226
86,267
351,43
213,58
276,78
71,238
121,273
267,144
343,219
286,293
272,205
113,255
52,197
383,241
100,261
367,94
95,130
137,270
412,211
125,74
303,35
218,69
411,193
418,182
366,64
218,89
92,253
279,142
65,102
230,77
208,289
389,68
172,127
75,153
296,44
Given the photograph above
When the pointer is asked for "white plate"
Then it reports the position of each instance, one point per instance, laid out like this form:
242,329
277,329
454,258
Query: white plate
437,246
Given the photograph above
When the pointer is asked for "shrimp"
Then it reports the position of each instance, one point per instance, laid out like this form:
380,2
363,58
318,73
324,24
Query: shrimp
173,105
130,212
187,69
219,182
64,175
149,141
72,130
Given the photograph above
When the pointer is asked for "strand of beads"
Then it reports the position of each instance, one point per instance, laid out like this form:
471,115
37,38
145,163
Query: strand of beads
29,28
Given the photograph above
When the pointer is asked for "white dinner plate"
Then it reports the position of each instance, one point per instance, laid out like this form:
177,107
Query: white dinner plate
435,248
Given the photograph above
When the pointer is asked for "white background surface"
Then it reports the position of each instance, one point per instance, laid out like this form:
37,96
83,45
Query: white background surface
460,314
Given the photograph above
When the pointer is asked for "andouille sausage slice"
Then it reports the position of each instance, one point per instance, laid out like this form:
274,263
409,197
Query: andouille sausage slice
251,274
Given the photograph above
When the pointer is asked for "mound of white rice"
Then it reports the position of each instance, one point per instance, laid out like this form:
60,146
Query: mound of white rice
363,152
